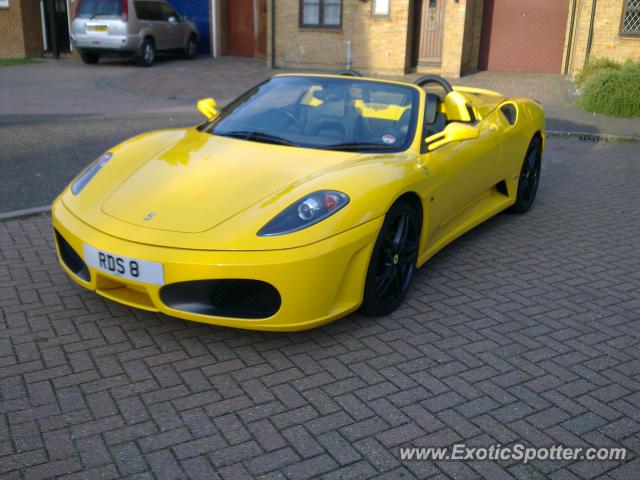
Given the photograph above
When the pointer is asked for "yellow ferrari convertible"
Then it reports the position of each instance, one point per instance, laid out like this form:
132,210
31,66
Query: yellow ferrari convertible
308,197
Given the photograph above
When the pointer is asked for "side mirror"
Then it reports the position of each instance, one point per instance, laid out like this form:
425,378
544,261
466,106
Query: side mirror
208,107
454,132
173,19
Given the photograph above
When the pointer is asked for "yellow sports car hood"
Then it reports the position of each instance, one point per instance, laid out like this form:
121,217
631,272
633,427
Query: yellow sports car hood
183,183
202,180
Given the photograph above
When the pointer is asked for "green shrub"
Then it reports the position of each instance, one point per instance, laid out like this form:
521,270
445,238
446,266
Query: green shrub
613,92
596,66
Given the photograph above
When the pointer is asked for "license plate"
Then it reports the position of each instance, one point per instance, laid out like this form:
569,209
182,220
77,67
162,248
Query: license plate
98,28
124,267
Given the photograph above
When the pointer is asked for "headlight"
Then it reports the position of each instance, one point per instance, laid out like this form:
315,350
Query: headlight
89,172
305,212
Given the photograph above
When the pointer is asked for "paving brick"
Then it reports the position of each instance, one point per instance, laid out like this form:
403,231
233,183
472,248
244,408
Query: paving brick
59,444
53,469
198,447
128,458
165,439
356,471
164,465
234,454
584,423
97,426
271,461
340,449
199,468
132,410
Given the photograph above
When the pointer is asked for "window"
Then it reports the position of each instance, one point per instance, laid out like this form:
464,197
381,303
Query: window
630,24
100,8
149,11
321,13
167,12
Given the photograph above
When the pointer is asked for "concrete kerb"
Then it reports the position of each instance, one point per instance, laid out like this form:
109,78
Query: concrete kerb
26,212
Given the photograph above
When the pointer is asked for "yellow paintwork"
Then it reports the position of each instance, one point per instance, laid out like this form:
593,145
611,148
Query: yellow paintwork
213,194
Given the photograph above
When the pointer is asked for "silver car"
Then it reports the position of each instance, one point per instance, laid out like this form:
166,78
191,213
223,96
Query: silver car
131,27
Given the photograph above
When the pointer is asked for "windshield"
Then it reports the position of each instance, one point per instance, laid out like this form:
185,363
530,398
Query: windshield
348,114
100,8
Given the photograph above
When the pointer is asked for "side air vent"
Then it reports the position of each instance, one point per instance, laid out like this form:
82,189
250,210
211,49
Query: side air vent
510,112
501,187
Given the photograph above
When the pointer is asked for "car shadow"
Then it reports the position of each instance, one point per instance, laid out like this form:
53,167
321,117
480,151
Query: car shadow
161,60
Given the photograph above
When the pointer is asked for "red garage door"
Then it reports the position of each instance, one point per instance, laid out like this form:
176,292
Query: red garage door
523,35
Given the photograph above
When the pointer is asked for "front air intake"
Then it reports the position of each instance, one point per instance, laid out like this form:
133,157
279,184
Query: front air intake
233,298
71,259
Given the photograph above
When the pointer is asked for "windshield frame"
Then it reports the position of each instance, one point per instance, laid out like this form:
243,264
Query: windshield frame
409,140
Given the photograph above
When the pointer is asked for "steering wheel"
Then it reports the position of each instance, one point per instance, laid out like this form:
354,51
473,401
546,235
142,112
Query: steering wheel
290,117
425,79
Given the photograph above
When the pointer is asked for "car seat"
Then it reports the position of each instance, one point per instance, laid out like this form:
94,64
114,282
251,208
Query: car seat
434,120
334,118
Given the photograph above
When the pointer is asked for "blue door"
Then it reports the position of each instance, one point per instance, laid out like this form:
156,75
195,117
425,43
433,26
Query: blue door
198,12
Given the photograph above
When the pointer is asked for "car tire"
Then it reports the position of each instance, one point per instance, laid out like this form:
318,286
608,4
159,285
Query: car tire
393,261
147,55
89,57
191,48
529,179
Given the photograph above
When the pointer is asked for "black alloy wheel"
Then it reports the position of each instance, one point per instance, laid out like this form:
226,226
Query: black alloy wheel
393,261
529,178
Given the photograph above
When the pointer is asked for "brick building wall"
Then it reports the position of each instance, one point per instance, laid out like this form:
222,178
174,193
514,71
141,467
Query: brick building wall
11,32
21,29
379,44
607,41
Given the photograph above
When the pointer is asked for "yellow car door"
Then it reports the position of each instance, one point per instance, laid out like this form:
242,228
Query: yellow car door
459,174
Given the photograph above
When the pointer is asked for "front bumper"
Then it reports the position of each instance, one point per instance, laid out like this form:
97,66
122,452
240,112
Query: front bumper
317,283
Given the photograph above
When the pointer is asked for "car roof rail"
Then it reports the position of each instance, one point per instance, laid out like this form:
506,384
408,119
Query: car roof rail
349,73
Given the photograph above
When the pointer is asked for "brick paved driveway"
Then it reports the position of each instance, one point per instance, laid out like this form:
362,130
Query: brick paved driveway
525,330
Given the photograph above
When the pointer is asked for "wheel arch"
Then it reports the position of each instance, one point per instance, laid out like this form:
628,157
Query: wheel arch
144,36
414,201
538,134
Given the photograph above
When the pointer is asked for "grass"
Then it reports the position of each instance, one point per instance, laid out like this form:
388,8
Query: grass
12,62
610,88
